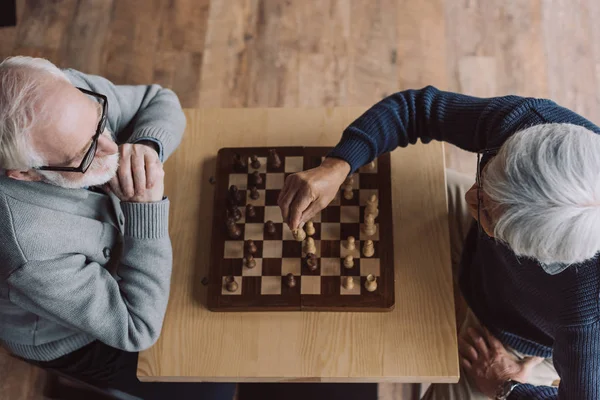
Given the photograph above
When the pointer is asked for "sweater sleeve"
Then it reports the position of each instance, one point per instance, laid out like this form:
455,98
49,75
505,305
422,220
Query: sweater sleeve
139,113
576,356
470,123
81,294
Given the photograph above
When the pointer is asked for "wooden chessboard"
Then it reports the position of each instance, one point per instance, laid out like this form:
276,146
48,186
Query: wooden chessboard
263,287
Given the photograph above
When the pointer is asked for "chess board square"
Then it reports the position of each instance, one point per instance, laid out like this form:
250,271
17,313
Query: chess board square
369,181
350,202
366,169
239,180
370,266
330,231
287,233
232,266
272,266
350,214
354,291
234,249
330,285
330,248
337,199
310,285
307,271
224,290
330,266
313,161
294,164
292,249
330,214
349,229
273,213
278,232
352,271
270,285
263,165
317,246
250,182
271,197
291,266
259,216
365,194
316,217
275,181
364,236
253,231
272,249
256,271
375,246
258,202
251,286
345,252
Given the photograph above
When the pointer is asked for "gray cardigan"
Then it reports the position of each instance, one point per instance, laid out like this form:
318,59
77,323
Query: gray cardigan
78,266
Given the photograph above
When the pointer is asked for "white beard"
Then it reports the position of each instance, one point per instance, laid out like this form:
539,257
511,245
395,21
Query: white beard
101,171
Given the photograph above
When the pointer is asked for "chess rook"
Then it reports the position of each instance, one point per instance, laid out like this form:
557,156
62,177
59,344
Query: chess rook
270,227
233,230
290,280
273,160
309,246
254,193
371,283
348,282
256,178
299,234
230,284
250,211
368,248
370,227
251,247
311,261
310,228
239,163
372,204
351,243
254,162
349,261
250,261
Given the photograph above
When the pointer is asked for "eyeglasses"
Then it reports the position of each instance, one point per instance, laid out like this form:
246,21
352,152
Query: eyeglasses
479,181
91,152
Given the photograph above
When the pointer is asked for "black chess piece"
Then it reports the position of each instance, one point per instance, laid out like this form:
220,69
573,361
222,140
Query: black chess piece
234,195
250,211
239,163
311,261
274,161
254,162
254,194
290,280
256,178
234,212
270,227
251,247
233,230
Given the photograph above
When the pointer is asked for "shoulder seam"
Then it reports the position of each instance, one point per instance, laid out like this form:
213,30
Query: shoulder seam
12,227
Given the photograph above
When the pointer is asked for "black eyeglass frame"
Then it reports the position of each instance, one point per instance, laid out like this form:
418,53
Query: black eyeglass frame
91,153
479,182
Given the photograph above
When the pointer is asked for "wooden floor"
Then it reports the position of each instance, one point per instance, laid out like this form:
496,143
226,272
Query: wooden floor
310,53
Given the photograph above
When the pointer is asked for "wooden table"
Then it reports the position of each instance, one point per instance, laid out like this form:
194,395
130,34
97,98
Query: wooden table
416,342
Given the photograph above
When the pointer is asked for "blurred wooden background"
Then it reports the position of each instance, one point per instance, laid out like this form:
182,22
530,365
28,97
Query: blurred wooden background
312,53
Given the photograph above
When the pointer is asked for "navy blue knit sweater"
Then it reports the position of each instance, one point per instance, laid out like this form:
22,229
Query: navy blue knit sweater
533,312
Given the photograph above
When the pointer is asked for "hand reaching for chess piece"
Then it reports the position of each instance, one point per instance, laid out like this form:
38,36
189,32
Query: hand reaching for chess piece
306,193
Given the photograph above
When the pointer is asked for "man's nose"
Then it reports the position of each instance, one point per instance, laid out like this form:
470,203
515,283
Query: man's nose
106,146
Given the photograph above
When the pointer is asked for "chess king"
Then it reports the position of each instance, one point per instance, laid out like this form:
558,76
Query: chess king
524,234
85,250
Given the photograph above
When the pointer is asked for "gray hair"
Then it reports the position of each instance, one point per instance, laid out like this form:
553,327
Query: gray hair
20,109
545,182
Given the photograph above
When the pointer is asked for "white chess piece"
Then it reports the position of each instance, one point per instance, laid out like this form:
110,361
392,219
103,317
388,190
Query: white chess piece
370,228
310,228
348,193
372,204
348,283
349,261
351,243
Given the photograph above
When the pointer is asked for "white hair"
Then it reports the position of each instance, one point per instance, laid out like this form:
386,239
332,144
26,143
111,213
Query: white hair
21,79
545,183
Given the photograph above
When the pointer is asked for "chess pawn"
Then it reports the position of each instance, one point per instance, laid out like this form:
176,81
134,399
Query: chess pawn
234,212
349,180
254,162
239,163
310,228
351,243
270,227
256,178
230,284
290,280
311,261
370,227
368,248
349,261
250,261
348,193
371,283
372,204
250,247
348,282
254,194
233,230
250,211
299,234
372,165
234,195
309,246
274,160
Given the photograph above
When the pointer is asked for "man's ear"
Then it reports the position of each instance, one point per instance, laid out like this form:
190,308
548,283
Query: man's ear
27,175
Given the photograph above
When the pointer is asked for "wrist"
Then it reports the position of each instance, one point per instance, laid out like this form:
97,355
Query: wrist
337,165
506,388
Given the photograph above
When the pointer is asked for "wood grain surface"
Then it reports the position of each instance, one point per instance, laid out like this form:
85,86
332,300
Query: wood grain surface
414,342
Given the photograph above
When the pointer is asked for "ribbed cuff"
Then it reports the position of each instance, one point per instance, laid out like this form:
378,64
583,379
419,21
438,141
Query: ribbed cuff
354,150
49,351
146,220
165,138
529,392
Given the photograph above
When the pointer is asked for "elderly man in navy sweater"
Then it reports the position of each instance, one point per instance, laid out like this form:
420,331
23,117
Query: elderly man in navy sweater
527,265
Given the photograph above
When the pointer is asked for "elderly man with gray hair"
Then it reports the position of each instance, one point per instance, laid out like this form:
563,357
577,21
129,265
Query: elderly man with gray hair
84,242
529,269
